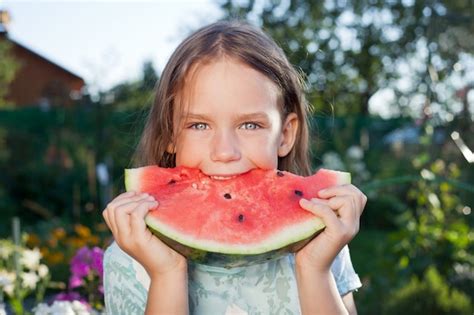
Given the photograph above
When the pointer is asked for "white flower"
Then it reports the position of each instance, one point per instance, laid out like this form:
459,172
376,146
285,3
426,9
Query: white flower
9,289
5,250
62,308
6,278
30,258
30,279
41,309
8,282
43,271
80,308
355,152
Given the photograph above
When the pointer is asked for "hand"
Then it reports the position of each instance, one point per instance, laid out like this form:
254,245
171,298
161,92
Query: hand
125,216
340,208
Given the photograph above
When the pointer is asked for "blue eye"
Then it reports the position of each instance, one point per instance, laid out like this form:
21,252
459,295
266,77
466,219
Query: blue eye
250,126
199,126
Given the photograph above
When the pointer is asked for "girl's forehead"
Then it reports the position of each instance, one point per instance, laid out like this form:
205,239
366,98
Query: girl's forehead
226,79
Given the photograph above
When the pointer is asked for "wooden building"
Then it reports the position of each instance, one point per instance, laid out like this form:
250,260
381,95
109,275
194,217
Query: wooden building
39,81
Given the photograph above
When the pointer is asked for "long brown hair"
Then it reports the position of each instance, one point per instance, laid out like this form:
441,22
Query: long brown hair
238,40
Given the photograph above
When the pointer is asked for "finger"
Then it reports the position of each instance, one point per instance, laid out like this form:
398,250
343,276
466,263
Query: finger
126,194
337,191
342,190
322,211
137,217
350,214
325,202
345,207
107,220
109,213
119,208
338,202
320,200
125,214
136,198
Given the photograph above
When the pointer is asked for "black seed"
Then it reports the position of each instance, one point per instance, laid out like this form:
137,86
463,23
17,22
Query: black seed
241,218
299,193
227,196
280,174
171,182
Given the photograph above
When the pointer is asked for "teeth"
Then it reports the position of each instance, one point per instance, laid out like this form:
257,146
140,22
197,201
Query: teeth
223,177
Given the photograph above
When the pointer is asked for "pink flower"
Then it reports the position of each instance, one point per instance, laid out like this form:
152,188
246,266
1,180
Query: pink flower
97,256
68,296
87,270
75,281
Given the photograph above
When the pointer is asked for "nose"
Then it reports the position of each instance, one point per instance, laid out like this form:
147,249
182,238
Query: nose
225,147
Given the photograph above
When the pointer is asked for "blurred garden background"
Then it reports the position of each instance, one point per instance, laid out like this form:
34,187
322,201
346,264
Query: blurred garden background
391,85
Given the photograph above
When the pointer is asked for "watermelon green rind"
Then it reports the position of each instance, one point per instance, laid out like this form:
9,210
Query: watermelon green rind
132,177
293,235
204,257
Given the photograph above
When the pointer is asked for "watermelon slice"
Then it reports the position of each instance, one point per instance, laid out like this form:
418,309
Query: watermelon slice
238,221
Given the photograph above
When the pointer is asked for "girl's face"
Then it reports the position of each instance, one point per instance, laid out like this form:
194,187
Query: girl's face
229,122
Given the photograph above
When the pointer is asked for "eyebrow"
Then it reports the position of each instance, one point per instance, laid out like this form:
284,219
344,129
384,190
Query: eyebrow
249,116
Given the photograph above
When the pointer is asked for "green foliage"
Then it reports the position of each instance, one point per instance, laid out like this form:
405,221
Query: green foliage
135,95
375,266
9,66
432,295
435,231
349,50
62,156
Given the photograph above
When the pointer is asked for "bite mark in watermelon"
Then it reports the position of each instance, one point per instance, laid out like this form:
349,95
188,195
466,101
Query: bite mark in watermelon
244,220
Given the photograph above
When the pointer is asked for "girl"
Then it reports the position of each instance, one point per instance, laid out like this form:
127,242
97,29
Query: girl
229,101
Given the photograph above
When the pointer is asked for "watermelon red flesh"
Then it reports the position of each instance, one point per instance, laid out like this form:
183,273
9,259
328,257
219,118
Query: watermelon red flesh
254,213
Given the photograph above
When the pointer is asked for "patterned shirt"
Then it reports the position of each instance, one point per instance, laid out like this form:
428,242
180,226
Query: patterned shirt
268,288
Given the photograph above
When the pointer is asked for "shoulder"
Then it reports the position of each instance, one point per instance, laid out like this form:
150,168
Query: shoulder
125,283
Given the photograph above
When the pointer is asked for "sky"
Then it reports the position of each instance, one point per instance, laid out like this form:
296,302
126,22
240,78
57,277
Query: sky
106,42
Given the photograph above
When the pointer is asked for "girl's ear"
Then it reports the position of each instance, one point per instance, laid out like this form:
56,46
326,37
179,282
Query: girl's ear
288,134
171,148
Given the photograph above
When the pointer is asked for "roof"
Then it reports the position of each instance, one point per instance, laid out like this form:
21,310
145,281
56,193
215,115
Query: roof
38,55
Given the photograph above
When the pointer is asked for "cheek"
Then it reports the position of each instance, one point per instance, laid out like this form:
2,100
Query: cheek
189,152
264,151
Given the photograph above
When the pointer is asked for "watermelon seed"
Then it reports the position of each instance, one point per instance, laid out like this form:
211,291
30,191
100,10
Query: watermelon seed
280,174
299,193
171,182
227,196
241,217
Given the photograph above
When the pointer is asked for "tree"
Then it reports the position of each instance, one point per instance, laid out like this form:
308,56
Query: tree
9,66
350,50
137,94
